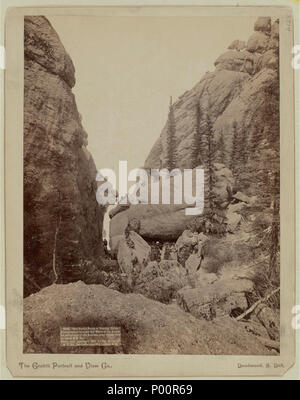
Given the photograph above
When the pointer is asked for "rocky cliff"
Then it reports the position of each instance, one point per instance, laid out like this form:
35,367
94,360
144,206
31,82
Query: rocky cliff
62,220
228,124
234,97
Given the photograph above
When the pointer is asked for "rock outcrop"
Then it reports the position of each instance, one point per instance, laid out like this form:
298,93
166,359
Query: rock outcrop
235,109
147,326
222,297
235,92
161,280
133,254
263,24
62,220
167,222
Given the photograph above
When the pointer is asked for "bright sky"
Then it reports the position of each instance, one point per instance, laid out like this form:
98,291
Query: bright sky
128,67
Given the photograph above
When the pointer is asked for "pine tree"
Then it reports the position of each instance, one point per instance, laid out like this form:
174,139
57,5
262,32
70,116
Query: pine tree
170,147
243,147
272,168
242,171
221,149
204,145
235,149
239,155
211,149
196,158
256,138
264,150
274,272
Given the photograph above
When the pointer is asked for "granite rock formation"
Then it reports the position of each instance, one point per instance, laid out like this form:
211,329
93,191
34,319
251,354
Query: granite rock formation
236,92
164,221
148,326
229,118
62,220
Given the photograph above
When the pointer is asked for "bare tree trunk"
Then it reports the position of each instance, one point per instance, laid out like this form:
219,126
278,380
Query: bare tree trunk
253,307
273,273
54,250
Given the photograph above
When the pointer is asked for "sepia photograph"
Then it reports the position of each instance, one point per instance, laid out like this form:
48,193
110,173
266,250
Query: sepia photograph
147,94
150,191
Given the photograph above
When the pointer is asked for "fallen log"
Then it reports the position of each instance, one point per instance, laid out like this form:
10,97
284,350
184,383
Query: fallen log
253,307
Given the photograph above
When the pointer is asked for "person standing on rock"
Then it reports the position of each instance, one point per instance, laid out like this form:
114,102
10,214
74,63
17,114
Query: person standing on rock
155,252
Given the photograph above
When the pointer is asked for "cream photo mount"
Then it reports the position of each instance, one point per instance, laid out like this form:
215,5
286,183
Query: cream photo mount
141,365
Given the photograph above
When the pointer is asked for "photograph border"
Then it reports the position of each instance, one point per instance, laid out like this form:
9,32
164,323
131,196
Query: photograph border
129,365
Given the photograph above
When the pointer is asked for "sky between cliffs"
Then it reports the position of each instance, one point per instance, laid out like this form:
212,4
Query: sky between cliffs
128,67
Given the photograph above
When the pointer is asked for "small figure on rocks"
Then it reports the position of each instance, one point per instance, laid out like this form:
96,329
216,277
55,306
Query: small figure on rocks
155,252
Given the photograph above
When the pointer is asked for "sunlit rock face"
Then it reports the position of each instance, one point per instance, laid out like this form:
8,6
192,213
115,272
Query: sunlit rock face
235,92
235,97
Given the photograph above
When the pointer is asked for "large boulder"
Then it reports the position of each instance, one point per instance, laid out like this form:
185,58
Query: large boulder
223,297
167,222
188,244
161,281
185,245
237,45
133,254
192,263
233,216
158,222
270,59
147,326
263,24
258,42
234,60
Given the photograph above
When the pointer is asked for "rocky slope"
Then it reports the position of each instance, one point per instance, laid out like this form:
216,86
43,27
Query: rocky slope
148,327
62,220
